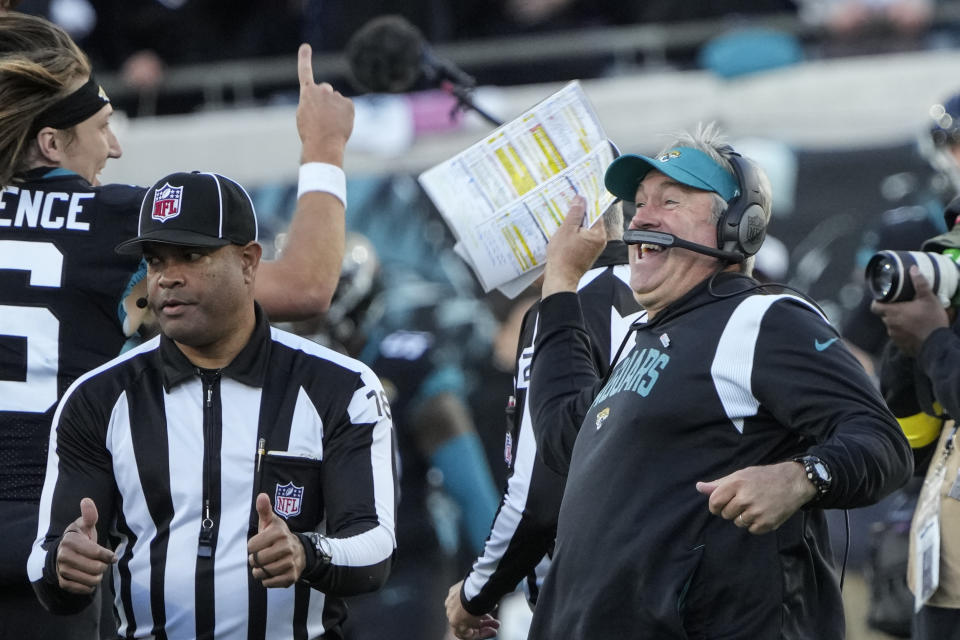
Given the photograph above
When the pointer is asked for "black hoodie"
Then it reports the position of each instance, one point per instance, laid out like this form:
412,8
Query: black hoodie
724,378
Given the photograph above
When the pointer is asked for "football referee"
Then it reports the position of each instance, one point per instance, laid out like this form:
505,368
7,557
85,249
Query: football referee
68,302
219,459
521,539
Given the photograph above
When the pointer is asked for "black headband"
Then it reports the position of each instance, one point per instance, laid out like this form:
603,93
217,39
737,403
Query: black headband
73,109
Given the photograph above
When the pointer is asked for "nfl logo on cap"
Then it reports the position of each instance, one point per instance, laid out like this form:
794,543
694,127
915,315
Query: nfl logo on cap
194,210
287,500
166,202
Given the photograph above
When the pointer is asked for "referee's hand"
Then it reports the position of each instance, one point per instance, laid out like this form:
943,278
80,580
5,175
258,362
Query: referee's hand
465,625
81,562
275,553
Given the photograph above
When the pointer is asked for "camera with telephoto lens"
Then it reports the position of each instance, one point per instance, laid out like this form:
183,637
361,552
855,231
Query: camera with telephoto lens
888,275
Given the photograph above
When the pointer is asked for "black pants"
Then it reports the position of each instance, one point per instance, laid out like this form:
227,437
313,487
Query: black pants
936,623
21,614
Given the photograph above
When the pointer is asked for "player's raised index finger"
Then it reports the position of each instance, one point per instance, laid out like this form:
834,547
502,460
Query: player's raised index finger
305,64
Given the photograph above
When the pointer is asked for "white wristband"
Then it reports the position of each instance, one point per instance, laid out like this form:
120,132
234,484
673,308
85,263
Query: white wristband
320,176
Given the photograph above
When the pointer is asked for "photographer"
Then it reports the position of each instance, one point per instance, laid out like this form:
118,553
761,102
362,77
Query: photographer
920,382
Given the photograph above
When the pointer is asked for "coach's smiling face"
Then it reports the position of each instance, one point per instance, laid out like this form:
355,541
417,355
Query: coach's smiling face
203,297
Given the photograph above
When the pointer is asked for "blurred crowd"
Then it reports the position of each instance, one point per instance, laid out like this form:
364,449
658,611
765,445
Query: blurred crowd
140,40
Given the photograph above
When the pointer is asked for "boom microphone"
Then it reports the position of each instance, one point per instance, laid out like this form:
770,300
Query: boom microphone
390,55
635,236
386,55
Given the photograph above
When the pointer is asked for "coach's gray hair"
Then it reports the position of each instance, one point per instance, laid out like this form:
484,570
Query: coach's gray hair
613,221
709,139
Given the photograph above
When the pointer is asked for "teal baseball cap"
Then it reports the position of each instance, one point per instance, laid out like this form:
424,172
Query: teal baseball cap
686,165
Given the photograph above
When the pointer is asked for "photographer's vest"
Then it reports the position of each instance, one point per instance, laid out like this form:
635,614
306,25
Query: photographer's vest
947,594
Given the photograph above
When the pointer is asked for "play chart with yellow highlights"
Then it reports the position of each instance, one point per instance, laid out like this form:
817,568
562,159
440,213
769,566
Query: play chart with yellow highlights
505,196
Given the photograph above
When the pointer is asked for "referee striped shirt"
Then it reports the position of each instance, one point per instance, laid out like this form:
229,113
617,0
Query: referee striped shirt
174,457
525,526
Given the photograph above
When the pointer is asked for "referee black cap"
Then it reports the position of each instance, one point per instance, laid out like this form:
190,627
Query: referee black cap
194,209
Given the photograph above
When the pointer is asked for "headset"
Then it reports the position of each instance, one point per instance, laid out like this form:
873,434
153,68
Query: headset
742,226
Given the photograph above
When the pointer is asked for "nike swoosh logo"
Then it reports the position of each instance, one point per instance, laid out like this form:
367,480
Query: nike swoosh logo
822,346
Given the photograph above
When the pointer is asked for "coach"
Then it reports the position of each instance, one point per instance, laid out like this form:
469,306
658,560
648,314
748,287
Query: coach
698,472
221,457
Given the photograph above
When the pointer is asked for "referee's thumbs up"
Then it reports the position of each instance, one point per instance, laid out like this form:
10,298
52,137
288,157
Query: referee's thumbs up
81,562
265,512
275,554
88,518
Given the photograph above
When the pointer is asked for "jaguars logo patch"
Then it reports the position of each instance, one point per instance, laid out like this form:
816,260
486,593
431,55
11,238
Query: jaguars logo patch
602,416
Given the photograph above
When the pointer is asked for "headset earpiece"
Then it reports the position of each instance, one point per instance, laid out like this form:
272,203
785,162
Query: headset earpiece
743,226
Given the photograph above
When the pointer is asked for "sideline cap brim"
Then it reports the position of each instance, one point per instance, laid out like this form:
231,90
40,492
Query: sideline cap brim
684,164
134,246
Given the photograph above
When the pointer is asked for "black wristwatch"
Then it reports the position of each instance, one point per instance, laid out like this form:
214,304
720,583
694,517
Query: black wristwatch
321,545
817,473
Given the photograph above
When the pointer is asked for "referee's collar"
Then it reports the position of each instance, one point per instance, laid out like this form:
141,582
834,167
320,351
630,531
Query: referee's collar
249,367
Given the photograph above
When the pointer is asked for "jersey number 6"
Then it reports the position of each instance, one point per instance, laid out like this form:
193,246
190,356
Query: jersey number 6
37,392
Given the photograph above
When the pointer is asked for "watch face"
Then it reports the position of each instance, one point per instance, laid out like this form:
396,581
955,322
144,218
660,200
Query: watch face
323,545
821,470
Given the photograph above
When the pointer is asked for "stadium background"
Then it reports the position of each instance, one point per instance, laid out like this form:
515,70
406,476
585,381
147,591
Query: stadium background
835,123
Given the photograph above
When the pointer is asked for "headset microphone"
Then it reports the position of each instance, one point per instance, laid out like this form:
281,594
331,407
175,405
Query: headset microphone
141,303
667,240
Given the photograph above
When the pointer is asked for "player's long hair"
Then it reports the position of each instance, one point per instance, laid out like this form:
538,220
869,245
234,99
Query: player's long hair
39,65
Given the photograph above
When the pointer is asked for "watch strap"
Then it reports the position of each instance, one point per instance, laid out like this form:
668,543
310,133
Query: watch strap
315,560
821,484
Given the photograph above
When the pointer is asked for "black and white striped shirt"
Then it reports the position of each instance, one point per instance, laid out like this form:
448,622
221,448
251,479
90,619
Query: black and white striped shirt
159,445
525,525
